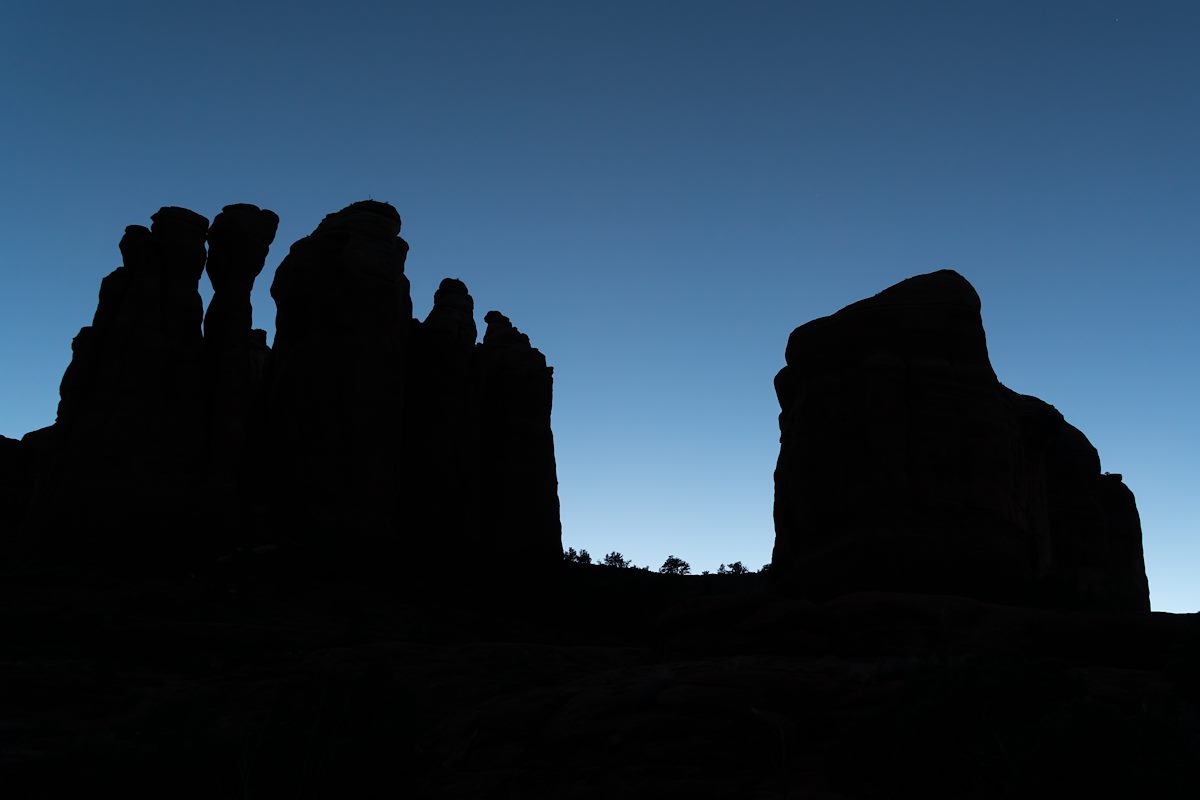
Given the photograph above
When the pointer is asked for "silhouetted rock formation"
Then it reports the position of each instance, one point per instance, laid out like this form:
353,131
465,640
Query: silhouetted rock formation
519,478
363,432
406,435
125,454
499,670
453,315
905,465
336,386
479,444
442,431
238,243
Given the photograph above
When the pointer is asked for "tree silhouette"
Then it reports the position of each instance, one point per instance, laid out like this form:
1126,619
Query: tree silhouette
582,557
675,566
615,559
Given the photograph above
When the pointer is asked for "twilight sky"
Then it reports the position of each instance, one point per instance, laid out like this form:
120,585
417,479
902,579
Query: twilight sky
658,193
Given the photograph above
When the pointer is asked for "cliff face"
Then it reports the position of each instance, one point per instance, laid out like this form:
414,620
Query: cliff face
181,431
906,465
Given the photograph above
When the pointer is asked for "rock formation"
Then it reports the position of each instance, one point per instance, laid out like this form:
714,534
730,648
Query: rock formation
477,435
398,434
442,429
363,432
452,319
905,465
335,396
519,481
236,353
124,455
15,477
238,242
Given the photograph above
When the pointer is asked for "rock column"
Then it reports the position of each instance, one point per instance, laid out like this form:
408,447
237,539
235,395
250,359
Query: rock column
128,441
236,355
518,477
336,379
441,441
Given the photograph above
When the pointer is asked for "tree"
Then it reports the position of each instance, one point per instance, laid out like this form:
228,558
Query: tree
582,557
615,559
675,566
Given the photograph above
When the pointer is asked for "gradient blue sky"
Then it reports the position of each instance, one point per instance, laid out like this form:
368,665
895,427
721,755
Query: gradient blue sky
657,193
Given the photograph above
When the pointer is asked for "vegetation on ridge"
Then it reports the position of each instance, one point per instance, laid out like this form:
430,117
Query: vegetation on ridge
673,565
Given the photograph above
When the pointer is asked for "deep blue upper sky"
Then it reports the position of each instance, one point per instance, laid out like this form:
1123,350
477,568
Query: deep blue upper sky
657,193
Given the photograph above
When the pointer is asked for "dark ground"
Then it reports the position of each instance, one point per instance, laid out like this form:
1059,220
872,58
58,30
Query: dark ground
269,677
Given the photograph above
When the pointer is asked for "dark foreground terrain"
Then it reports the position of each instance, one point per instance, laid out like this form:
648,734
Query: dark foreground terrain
267,676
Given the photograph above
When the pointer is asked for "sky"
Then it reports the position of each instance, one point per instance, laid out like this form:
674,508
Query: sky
658,193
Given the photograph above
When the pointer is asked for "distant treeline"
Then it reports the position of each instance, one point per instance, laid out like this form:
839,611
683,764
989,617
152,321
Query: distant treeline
673,565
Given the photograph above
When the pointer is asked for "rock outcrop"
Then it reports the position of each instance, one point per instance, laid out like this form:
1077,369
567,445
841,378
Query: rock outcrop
126,452
519,485
238,243
401,435
236,355
480,450
442,430
363,433
905,465
335,394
